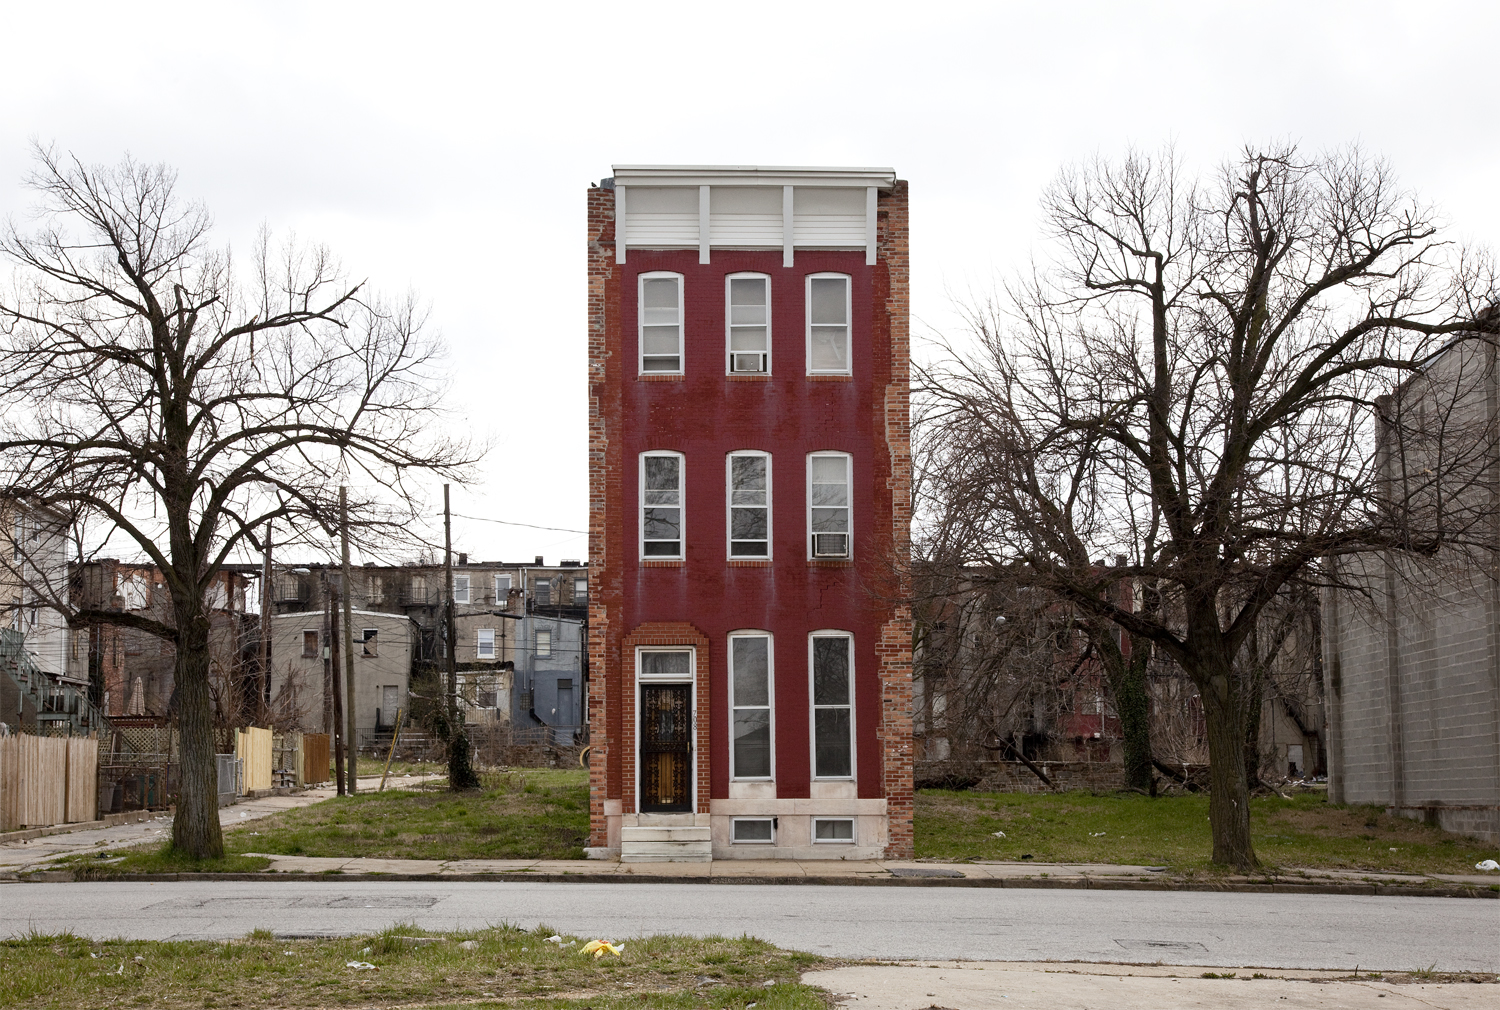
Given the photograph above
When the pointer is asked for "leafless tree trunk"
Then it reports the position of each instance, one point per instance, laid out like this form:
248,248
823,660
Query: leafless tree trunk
151,395
1192,383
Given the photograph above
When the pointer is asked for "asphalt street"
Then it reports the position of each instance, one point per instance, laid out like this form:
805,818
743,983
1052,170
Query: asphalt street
1188,928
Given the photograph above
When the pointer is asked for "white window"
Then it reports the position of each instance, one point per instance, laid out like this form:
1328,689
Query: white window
460,589
833,829
832,666
754,830
749,505
828,324
484,644
502,590
580,590
750,704
660,322
747,319
544,643
828,504
661,505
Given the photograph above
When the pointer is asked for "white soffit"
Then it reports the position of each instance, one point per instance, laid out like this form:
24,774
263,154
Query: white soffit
747,207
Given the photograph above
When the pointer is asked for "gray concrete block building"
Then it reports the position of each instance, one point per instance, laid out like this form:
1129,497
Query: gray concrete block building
1412,652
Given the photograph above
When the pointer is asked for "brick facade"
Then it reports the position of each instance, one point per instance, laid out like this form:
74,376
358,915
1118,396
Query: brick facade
698,601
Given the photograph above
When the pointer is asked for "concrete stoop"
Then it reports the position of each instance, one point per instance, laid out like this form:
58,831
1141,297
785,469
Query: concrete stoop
687,843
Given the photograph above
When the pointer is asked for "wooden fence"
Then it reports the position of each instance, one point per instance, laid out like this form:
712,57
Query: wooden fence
315,760
253,747
48,780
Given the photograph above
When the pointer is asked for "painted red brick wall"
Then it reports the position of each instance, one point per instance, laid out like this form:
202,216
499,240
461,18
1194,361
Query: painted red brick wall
706,415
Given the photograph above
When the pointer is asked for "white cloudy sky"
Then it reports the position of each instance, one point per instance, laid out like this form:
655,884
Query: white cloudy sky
447,147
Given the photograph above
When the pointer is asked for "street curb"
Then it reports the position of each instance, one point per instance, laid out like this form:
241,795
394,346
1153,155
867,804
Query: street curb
1030,883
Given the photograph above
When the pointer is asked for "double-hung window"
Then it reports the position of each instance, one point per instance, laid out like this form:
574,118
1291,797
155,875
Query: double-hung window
660,320
828,512
750,704
460,589
661,505
832,666
828,313
544,643
484,643
502,590
747,310
749,505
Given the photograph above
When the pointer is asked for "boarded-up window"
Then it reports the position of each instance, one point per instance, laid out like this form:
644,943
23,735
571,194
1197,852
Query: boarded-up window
309,645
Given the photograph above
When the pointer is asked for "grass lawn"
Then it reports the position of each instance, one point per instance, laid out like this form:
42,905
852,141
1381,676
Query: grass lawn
527,813
506,963
1172,831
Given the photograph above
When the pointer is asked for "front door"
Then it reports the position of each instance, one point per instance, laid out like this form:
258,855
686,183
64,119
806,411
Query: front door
666,748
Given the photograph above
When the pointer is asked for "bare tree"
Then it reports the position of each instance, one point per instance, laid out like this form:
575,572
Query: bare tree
151,393
1192,383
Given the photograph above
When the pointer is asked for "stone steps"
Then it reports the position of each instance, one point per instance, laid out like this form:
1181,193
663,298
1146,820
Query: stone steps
685,843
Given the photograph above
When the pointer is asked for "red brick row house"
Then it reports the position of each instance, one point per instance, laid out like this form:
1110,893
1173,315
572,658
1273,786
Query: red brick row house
750,497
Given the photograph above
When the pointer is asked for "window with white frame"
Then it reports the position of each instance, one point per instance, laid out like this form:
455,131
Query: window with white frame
832,665
502,590
749,504
544,643
660,319
661,505
750,704
747,311
828,512
828,324
833,829
460,589
484,643
754,830
580,590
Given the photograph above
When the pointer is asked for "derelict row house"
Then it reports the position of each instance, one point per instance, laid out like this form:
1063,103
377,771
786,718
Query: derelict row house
750,482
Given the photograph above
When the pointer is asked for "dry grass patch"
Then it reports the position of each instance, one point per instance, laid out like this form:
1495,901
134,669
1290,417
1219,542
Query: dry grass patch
504,966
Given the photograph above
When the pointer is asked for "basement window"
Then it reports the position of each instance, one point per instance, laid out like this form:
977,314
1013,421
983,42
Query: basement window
836,830
753,831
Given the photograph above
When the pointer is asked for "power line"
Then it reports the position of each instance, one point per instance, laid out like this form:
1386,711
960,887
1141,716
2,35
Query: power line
502,522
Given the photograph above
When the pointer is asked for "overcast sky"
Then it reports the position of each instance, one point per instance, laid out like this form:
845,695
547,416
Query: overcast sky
447,148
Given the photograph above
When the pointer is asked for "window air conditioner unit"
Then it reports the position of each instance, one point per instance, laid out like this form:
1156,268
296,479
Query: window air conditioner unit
748,361
830,545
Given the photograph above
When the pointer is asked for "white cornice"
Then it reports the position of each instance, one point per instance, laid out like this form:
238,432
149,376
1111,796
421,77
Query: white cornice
751,175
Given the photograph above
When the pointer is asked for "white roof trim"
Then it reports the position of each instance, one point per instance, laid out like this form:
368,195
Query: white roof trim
751,175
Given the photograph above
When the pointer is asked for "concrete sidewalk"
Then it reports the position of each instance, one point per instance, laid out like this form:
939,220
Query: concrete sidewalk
29,854
1027,874
993,985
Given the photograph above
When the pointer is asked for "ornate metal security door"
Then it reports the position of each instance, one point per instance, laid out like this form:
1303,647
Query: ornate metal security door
666,748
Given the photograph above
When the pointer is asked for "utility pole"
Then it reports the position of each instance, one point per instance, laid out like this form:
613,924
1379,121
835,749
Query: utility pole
460,762
333,686
449,635
351,741
265,625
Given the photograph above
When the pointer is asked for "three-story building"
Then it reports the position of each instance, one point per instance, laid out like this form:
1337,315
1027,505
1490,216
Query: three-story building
750,482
